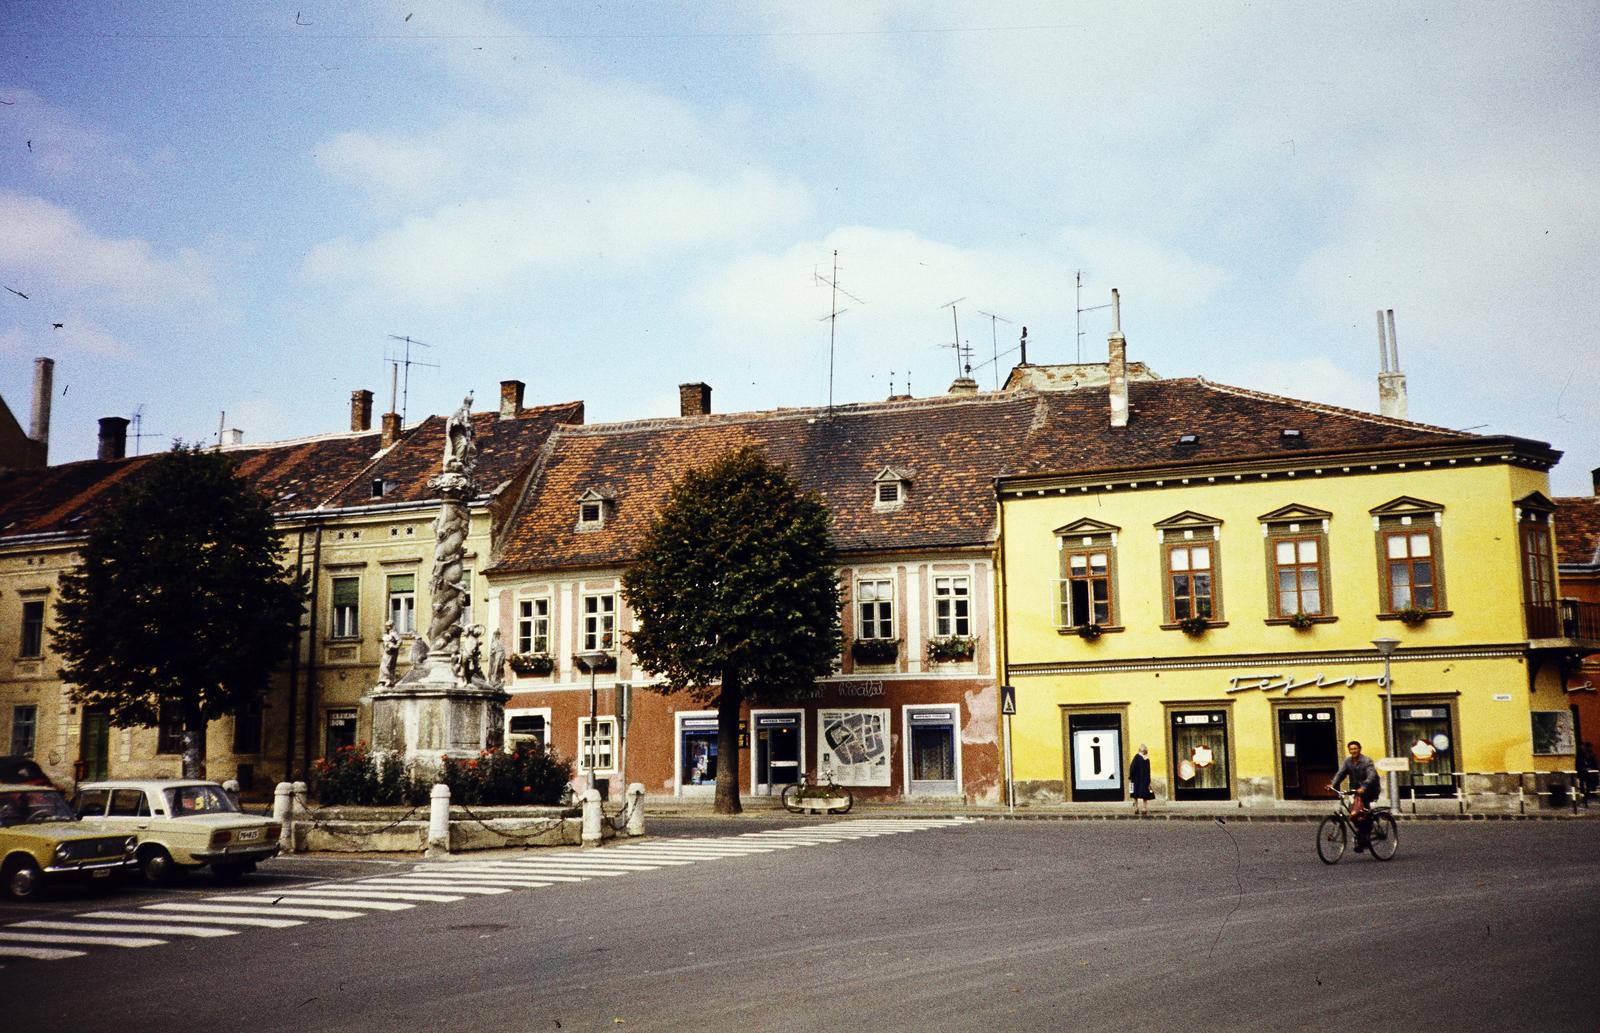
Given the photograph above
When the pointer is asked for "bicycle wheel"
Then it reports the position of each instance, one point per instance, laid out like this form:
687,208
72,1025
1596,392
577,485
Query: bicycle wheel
1333,835
849,799
1385,836
791,797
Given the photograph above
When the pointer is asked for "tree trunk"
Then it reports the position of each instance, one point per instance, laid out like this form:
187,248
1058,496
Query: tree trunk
727,801
194,746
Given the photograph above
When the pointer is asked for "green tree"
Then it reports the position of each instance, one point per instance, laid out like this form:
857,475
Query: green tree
180,602
736,594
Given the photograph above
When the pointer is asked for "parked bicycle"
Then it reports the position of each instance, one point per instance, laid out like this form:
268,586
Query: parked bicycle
826,795
1336,831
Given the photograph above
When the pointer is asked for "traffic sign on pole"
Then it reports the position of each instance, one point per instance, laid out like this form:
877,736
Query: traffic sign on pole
1008,699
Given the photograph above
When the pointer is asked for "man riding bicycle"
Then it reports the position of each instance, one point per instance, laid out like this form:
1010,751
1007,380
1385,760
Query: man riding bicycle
1364,782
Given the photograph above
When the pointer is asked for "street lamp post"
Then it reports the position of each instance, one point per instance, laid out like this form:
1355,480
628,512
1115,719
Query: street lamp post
591,662
1386,648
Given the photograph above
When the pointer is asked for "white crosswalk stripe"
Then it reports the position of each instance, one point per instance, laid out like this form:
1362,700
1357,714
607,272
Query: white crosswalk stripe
213,917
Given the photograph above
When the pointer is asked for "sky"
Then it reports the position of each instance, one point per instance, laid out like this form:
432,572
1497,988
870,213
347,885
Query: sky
233,208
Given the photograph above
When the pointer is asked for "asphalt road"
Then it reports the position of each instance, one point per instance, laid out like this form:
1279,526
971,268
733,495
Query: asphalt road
996,925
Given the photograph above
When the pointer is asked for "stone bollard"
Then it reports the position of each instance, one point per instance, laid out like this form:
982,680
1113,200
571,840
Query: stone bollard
591,817
439,821
298,809
636,809
283,814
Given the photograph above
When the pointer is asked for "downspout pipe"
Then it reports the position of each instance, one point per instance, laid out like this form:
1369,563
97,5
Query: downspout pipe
1001,630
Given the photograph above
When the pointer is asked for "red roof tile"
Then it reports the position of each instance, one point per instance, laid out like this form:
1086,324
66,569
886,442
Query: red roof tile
1578,531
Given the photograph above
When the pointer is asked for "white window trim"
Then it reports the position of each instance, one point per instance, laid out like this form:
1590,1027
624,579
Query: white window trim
888,579
581,763
933,605
543,712
677,749
754,728
905,740
584,618
549,626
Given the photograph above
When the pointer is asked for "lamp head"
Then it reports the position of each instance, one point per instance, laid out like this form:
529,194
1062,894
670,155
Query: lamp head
591,660
1386,646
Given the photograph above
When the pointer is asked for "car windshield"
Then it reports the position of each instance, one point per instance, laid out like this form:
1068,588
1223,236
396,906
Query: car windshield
21,807
186,800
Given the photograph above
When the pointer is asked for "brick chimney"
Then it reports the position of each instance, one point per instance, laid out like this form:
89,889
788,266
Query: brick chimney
511,399
963,385
1117,366
360,410
1594,478
391,429
694,399
113,437
1391,382
39,428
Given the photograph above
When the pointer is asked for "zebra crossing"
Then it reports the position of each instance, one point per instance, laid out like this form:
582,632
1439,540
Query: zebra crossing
224,915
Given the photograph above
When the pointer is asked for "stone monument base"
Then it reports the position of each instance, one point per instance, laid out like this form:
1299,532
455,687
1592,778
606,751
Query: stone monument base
431,714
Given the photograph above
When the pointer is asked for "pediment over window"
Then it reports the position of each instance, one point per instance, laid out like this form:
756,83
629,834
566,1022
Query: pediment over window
1294,513
890,487
594,505
1406,505
1537,502
1188,518
893,473
1086,526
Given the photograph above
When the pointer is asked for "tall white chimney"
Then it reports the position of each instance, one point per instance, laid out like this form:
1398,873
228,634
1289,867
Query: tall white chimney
39,427
1117,367
1391,382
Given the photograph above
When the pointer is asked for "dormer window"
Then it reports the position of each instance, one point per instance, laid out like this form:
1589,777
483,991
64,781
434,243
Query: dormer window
889,489
377,488
1291,435
1188,439
592,509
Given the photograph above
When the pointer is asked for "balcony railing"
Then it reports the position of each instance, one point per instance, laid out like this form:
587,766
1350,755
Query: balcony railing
1570,618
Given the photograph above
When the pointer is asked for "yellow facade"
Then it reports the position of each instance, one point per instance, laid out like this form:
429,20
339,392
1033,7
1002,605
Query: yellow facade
1468,663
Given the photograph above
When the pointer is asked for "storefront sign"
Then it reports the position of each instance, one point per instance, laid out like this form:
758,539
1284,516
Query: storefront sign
862,688
1277,683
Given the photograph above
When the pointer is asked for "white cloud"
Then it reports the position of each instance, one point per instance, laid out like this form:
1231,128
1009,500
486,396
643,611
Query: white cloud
1172,281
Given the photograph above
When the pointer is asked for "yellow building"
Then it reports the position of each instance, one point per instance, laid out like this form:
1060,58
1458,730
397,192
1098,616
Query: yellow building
1204,570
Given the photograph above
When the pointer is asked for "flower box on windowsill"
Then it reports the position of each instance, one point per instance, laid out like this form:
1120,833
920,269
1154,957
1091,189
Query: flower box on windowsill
1427,615
1194,626
875,650
955,649
1090,632
533,665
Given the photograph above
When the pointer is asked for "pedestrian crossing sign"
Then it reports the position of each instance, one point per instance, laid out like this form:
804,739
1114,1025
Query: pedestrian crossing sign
1008,699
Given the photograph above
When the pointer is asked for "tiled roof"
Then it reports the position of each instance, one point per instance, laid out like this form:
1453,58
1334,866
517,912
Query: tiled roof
1578,531
953,447
328,473
1230,424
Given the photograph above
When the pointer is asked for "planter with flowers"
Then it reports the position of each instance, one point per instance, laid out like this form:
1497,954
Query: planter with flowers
875,650
1412,617
1089,632
1194,625
955,649
1300,620
533,665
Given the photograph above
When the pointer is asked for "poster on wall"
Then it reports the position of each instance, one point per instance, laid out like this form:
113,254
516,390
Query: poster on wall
1097,758
855,746
1553,733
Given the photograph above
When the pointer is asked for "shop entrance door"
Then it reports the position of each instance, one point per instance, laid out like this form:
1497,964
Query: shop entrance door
932,756
95,751
1423,735
1200,755
1095,756
1309,740
777,752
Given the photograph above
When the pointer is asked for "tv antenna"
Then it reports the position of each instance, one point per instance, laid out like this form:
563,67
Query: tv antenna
139,433
407,362
956,323
1081,311
994,339
832,318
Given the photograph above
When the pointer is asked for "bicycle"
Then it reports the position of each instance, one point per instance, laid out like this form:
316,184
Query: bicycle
1335,831
796,795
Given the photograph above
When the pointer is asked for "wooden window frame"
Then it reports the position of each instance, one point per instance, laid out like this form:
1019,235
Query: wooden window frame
533,627
1173,540
31,645
884,619
952,610
1388,531
1066,617
600,623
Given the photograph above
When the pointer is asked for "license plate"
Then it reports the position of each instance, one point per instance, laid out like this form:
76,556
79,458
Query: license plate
249,834
100,873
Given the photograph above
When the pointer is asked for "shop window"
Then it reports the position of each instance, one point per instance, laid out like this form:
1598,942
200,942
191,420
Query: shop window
339,731
403,603
875,608
1086,592
599,623
1297,563
952,617
24,729
32,629
526,731
1425,735
698,752
1200,755
597,748
533,626
346,607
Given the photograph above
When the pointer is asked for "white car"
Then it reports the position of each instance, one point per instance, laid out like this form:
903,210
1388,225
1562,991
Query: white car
182,824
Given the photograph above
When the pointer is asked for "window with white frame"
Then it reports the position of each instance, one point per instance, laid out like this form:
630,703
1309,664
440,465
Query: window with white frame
346,607
599,623
597,749
403,602
533,626
875,608
952,607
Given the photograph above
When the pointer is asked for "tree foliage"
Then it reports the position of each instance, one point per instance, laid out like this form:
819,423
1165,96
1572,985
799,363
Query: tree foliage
180,600
736,594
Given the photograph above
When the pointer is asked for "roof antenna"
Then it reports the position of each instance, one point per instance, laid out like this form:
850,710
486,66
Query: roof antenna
139,434
407,362
832,318
994,340
956,323
1081,311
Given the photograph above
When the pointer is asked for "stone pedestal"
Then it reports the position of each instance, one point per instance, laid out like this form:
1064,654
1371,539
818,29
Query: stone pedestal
431,714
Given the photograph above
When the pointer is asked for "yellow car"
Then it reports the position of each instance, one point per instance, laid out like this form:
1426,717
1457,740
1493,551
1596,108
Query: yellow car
182,824
41,838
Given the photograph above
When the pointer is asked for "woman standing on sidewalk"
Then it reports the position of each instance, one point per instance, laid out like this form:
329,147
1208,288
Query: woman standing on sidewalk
1139,780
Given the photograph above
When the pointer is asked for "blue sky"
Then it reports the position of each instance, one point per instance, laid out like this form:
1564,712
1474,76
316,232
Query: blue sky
230,206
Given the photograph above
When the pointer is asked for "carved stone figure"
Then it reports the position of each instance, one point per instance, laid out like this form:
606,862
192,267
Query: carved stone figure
388,667
419,650
467,661
460,441
497,660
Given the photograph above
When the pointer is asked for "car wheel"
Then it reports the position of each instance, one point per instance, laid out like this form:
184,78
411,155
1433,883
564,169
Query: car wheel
22,878
229,873
157,865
